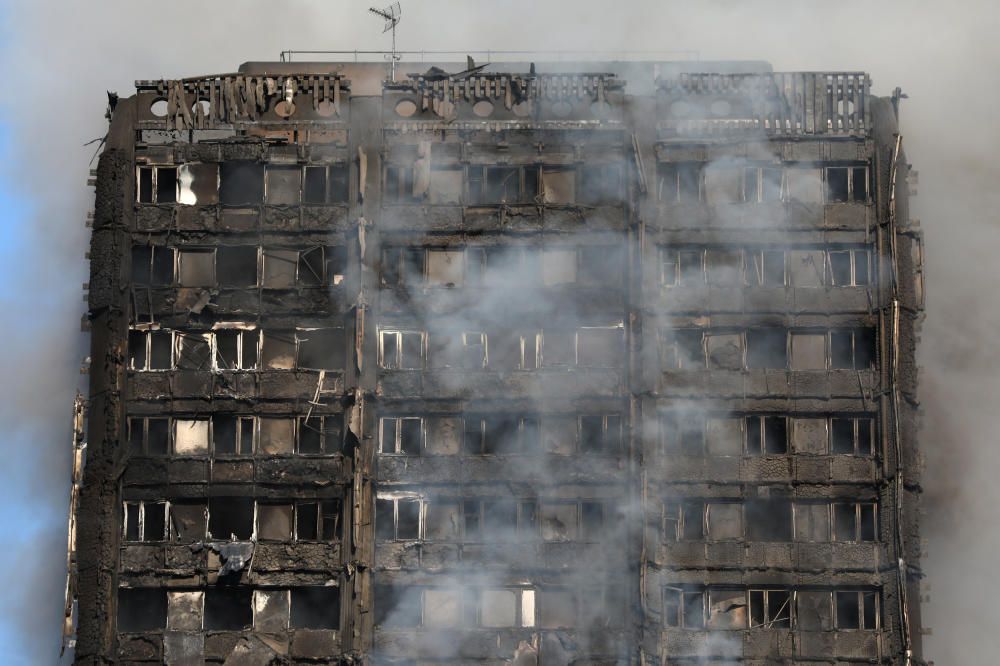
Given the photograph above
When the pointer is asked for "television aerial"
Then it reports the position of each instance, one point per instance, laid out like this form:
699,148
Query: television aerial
391,16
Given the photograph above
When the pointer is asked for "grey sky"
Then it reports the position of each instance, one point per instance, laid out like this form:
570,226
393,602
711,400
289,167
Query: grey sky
62,56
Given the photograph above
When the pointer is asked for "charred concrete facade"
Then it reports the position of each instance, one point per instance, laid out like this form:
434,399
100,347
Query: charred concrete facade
522,365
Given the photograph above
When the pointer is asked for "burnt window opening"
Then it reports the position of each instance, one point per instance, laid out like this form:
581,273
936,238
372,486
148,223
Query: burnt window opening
397,606
198,184
315,607
684,607
236,266
274,521
279,268
766,268
398,519
276,435
600,434
149,436
855,521
492,185
767,348
723,521
856,609
157,184
150,349
232,435
501,434
513,350
228,608
852,349
141,609
766,435
152,265
399,185
320,435
846,184
852,436
282,184
683,521
402,435
188,521
145,521
682,349
498,520
322,266
241,183
402,266
236,349
682,434
769,519
600,184
473,353
312,349
193,351
850,268
318,521
762,184
191,436
326,184
230,518
196,267
771,609
680,182
444,267
724,267
401,350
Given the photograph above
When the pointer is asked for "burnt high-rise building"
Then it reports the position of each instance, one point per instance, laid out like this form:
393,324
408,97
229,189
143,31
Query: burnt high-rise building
591,363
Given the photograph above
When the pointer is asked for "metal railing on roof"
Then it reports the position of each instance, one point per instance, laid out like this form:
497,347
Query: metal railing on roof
489,55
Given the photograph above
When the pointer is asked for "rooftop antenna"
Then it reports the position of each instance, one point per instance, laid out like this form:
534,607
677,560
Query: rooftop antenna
391,15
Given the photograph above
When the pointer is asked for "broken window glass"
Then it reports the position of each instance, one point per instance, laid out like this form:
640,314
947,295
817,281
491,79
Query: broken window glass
236,266
193,351
846,184
277,350
230,517
442,520
228,608
762,184
558,521
188,521
198,184
724,351
241,183
805,268
766,268
144,189
767,348
236,349
727,609
145,521
280,268
852,436
157,184
852,349
141,609
770,609
682,349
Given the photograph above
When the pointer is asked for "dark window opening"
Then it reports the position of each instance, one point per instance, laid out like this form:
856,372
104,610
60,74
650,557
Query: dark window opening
856,609
771,609
769,519
236,266
682,349
679,182
397,607
315,608
241,183
766,435
232,435
322,349
766,268
283,184
141,609
684,608
852,349
230,517
600,184
326,184
228,608
399,185
767,348
320,434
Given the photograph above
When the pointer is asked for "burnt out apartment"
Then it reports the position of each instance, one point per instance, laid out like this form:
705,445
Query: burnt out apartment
592,363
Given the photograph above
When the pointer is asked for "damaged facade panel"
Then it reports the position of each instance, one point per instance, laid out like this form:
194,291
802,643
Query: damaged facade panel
422,371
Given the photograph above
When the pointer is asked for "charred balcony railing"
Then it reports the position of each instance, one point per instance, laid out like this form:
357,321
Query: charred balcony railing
793,103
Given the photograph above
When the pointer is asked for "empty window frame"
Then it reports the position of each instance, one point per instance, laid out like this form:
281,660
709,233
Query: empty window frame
320,435
492,185
682,267
398,518
600,184
401,435
856,609
198,184
847,183
149,435
141,609
852,349
766,435
188,521
191,436
769,519
144,520
228,608
501,434
152,265
402,266
683,521
680,182
852,436
241,183
499,520
318,520
684,607
399,185
402,349
231,518
765,268
156,184
770,608
315,607
327,184
682,349
762,184
193,351
313,267
600,434
849,268
474,350
766,348
150,349
195,267
236,349
399,607
515,350
233,435
503,266
855,521
312,349
236,266
282,184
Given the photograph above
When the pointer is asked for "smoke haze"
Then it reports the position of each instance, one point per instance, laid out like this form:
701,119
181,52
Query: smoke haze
61,57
